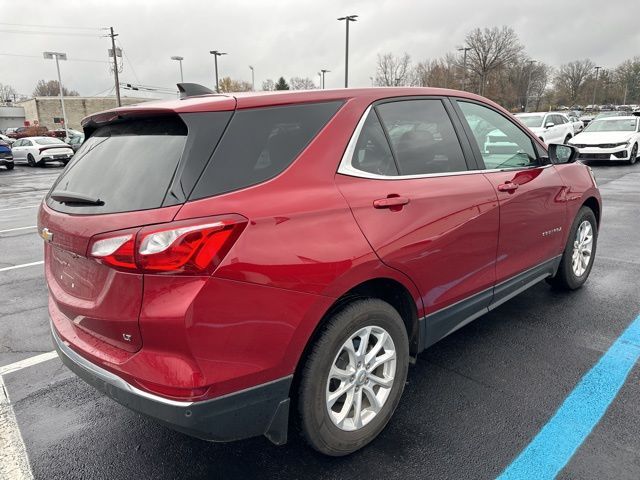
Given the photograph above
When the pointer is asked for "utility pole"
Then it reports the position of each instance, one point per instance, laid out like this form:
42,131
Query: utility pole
464,65
323,71
216,54
347,19
115,64
526,100
253,79
59,56
595,86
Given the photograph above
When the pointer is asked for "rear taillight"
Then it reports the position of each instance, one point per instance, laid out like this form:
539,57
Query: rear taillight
183,247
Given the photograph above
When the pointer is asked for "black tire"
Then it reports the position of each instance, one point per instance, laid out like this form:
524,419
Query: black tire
634,154
565,278
9,166
31,161
318,428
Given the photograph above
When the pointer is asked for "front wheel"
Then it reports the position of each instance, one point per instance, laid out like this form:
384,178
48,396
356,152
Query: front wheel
579,252
353,378
9,166
633,156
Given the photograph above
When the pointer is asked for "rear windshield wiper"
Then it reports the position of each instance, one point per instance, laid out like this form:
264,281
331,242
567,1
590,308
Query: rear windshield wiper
72,197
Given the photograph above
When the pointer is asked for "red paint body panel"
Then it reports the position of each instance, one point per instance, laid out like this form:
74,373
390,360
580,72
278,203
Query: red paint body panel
445,238
312,236
535,208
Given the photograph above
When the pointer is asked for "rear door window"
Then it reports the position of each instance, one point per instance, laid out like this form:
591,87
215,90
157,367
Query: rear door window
261,143
422,137
127,166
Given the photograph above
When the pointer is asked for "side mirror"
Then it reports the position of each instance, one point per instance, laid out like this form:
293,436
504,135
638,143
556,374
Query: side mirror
561,154
549,125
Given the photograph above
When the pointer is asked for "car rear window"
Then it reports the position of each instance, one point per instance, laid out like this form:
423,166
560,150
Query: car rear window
260,143
128,166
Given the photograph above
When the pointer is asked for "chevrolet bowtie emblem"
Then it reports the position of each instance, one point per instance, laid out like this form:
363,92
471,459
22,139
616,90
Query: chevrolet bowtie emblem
46,234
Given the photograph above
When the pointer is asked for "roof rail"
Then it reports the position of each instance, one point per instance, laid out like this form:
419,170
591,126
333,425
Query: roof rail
193,89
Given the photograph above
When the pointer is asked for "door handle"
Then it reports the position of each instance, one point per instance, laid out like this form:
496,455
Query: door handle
508,187
393,202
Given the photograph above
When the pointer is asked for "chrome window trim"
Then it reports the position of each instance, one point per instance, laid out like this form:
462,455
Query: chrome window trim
346,168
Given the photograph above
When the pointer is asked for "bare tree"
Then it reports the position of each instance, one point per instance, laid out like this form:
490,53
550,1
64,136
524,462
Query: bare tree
52,89
7,93
440,72
393,71
571,79
299,83
491,49
627,76
227,85
268,85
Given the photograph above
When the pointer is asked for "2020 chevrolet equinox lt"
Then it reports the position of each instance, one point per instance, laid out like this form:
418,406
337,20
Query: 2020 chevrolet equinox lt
232,264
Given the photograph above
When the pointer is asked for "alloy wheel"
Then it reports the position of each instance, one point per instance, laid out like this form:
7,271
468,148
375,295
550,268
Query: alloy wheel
360,378
582,248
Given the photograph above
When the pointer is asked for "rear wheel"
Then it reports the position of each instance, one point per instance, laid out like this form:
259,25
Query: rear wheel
353,378
31,161
634,154
579,252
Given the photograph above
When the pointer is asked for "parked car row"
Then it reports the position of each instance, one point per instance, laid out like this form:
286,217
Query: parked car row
612,135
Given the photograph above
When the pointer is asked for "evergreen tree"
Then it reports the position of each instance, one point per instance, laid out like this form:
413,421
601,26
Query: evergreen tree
282,84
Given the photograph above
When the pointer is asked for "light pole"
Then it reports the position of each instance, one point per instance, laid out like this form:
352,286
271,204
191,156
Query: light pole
319,80
179,59
595,87
347,19
217,54
59,56
464,65
323,71
253,78
526,100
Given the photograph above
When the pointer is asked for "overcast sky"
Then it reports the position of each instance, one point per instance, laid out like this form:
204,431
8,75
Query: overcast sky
291,37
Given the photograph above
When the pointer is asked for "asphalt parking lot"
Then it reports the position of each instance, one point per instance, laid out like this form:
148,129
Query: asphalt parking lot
473,401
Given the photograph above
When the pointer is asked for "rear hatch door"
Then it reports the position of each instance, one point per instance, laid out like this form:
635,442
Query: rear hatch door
130,172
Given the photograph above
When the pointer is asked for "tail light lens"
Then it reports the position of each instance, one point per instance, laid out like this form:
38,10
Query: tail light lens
184,247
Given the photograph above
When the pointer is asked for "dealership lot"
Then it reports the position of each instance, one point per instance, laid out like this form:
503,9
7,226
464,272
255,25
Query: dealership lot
472,403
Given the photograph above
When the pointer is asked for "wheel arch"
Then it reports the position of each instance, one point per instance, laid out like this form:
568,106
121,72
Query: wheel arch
594,205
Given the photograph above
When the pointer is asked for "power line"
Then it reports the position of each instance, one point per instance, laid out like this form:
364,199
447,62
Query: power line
126,57
62,34
40,58
48,26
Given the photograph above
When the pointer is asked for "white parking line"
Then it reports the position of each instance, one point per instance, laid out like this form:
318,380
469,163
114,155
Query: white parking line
18,208
27,362
13,267
18,228
14,461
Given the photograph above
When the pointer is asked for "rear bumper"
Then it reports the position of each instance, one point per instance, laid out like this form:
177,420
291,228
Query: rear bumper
49,158
260,410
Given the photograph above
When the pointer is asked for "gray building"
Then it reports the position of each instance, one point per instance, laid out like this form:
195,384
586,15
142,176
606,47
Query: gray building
11,116
47,111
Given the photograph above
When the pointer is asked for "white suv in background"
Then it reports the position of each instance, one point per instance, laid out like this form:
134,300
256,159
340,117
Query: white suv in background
550,127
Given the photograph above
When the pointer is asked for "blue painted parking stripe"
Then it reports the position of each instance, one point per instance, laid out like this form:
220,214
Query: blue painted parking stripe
555,444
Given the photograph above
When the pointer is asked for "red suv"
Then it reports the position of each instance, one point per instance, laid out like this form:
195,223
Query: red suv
228,264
